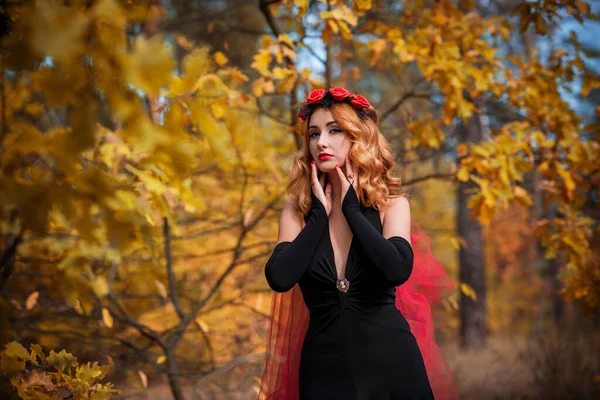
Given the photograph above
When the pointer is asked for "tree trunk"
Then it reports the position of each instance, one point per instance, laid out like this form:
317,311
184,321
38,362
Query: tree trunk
473,312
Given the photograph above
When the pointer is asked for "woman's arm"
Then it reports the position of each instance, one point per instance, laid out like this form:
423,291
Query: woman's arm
393,257
290,259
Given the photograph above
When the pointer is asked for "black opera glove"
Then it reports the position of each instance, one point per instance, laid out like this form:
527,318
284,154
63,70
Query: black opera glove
290,260
392,257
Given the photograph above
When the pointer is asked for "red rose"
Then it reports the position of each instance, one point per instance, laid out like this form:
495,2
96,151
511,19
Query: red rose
360,102
315,96
339,93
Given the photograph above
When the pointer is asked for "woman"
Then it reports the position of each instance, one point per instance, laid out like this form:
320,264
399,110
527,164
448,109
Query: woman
343,325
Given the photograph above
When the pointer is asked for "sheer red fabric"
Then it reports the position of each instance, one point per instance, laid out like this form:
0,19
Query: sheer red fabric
415,299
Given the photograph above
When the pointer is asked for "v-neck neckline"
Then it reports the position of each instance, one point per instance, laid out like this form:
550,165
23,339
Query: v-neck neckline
337,274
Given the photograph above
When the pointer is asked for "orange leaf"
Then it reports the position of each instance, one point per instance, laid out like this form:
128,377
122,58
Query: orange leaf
32,300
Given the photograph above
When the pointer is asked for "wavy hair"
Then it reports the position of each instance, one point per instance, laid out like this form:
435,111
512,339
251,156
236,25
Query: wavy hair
370,151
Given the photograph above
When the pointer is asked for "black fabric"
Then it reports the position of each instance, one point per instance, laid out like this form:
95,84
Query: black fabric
392,257
289,260
358,345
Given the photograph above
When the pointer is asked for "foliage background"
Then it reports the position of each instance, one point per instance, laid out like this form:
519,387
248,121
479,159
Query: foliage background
143,158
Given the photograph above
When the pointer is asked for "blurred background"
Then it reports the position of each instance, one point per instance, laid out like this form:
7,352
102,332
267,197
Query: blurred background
144,153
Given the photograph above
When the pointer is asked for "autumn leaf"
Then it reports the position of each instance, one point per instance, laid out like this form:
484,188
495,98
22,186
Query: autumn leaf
220,58
32,300
468,291
143,378
285,39
15,349
150,65
61,44
61,360
107,318
89,372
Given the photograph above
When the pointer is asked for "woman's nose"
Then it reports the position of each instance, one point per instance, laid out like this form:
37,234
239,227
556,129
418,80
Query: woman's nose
322,141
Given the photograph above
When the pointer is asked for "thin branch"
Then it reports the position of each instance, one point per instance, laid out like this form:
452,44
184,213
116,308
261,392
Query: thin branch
170,273
7,258
311,51
428,177
124,318
408,95
3,127
264,8
176,335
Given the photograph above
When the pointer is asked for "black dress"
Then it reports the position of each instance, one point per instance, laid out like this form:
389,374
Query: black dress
358,344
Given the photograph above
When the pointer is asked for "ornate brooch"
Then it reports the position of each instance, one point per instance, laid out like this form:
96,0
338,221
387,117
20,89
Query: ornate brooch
343,285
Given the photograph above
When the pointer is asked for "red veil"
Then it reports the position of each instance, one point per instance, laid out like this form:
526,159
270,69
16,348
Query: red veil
415,298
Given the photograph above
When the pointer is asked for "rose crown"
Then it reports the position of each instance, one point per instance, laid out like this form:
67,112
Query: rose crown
338,94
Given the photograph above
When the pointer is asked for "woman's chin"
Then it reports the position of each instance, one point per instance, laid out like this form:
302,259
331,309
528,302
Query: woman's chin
327,165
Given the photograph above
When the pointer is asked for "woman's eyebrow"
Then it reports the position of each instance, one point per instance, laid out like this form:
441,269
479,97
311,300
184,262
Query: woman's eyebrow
327,124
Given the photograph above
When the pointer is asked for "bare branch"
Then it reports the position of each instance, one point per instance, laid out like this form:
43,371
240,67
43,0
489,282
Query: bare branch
427,177
408,95
7,258
170,273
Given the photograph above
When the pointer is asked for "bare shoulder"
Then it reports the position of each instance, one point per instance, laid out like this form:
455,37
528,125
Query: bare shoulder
290,223
396,218
398,204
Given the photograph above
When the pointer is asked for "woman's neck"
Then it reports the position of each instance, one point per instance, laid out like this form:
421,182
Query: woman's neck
336,187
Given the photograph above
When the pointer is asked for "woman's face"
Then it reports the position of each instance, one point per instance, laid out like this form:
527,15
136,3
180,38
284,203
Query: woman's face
326,137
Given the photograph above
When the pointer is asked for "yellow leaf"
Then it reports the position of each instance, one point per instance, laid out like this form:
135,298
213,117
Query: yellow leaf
333,26
287,84
221,58
107,318
15,349
89,373
152,184
567,179
262,60
219,108
32,300
57,31
468,291
280,73
236,75
161,359
150,65
36,350
456,242
302,6
463,174
284,38
346,32
522,196
62,360
100,286
363,5
461,150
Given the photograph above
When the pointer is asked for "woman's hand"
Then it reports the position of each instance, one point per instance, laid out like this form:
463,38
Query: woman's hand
317,188
348,178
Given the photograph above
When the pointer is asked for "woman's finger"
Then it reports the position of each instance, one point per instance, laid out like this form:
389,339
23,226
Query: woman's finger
317,187
349,171
322,179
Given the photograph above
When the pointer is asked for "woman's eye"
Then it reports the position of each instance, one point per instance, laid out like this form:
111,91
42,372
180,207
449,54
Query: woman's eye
335,130
312,134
